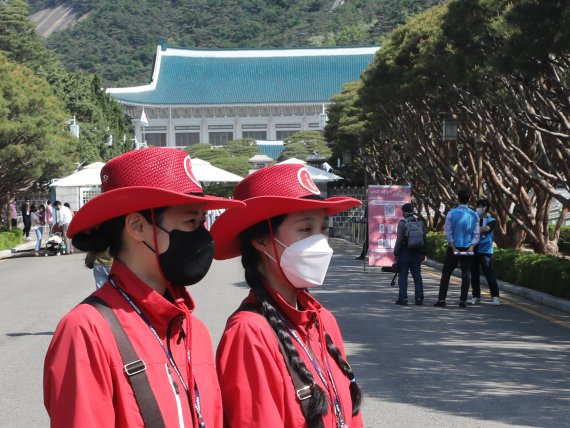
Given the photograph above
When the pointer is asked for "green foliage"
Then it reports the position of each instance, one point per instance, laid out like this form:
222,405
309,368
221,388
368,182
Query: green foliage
540,272
223,190
127,31
303,144
436,246
97,114
34,142
548,274
11,238
232,157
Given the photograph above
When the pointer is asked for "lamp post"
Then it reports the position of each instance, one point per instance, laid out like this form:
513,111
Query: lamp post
450,129
73,127
323,118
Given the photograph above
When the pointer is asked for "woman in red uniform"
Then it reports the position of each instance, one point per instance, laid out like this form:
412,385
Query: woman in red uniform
281,360
159,371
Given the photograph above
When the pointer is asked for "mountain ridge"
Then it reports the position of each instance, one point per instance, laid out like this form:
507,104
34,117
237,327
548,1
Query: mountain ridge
117,39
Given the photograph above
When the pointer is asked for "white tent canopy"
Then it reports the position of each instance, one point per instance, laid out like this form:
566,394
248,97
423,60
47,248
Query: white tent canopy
87,176
90,175
318,175
205,172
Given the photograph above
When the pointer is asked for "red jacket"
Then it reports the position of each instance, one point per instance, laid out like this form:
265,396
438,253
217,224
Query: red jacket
257,389
84,380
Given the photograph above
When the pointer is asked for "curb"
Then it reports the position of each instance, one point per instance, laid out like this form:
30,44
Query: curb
26,246
534,295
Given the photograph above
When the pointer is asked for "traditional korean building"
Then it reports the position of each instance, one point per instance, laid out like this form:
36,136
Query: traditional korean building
216,95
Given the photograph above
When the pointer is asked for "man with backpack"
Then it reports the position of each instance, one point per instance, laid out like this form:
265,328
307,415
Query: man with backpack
410,252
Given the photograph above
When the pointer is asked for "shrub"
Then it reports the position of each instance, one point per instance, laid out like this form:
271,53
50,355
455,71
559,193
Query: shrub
549,274
10,239
436,246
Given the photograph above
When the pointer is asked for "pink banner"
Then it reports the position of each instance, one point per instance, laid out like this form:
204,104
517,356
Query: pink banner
384,214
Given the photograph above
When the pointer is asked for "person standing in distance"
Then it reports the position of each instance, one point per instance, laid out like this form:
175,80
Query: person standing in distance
281,360
484,255
410,252
462,233
133,354
64,217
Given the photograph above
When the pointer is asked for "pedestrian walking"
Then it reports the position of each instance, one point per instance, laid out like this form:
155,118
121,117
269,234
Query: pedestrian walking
410,252
26,219
13,213
64,217
134,354
364,251
484,255
37,218
49,216
462,233
281,359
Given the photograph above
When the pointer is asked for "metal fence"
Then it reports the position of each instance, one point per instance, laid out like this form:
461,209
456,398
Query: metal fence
358,230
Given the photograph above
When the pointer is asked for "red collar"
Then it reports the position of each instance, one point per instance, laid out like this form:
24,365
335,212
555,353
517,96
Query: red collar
159,310
299,319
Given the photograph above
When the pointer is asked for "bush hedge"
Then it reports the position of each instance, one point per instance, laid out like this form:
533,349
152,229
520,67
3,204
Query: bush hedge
11,238
549,274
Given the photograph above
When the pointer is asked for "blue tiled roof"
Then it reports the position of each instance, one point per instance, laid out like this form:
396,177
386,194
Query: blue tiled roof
209,77
272,150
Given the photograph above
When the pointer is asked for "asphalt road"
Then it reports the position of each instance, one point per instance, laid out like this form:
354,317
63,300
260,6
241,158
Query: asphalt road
483,366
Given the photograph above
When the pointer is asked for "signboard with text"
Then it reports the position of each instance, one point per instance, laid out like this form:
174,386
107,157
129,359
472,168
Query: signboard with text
384,214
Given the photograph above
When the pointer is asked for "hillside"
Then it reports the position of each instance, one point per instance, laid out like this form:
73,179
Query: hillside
117,38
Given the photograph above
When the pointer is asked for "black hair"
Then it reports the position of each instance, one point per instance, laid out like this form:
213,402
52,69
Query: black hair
110,234
56,203
318,403
463,196
484,202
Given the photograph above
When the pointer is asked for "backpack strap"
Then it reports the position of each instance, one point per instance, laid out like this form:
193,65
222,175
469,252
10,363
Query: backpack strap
135,368
302,389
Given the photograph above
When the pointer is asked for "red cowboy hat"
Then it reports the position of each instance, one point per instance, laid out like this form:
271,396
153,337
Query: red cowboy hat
143,179
269,192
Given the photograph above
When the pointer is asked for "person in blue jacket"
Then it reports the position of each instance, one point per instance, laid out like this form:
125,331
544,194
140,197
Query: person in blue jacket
462,233
484,255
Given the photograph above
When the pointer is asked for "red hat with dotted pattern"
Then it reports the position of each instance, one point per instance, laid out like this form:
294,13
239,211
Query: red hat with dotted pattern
269,192
142,179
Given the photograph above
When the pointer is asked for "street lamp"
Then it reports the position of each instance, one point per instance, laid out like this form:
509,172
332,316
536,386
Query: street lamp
73,127
323,118
450,129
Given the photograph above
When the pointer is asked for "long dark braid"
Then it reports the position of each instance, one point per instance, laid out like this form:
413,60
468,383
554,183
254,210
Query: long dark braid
318,403
355,393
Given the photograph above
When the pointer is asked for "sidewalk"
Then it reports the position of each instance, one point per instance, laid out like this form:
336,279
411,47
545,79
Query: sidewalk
25,248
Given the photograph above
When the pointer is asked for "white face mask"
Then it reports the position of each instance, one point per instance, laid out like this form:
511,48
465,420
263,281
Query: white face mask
480,211
305,262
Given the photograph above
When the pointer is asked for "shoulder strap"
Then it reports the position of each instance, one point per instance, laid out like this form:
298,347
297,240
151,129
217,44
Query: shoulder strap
135,368
303,390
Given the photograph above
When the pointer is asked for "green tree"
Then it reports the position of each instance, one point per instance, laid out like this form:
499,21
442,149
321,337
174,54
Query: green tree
305,143
34,142
97,114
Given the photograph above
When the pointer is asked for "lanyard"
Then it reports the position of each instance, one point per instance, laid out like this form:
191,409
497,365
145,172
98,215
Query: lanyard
168,355
338,410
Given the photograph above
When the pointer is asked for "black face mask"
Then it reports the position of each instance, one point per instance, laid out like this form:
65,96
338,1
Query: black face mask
188,257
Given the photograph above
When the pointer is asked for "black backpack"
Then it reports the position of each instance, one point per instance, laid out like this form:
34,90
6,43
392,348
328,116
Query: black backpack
414,232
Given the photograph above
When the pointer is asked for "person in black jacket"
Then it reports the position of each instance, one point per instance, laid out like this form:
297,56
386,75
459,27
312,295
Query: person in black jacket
409,259
26,212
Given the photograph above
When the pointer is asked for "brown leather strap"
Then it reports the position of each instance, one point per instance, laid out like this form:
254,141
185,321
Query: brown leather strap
302,389
135,368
